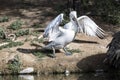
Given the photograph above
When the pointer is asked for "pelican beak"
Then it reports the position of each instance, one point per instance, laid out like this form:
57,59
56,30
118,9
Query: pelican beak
62,17
75,20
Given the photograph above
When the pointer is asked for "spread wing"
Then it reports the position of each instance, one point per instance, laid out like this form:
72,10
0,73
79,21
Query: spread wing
89,27
52,30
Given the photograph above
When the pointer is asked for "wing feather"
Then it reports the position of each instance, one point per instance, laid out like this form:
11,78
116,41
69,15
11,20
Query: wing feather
53,27
89,27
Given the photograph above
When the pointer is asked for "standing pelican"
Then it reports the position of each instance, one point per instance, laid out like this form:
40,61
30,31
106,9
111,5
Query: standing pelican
59,37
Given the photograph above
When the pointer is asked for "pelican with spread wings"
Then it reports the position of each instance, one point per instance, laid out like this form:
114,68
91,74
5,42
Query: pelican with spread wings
60,37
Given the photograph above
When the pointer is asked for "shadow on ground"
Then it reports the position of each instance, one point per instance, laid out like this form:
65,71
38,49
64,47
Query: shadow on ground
42,9
83,41
93,63
37,52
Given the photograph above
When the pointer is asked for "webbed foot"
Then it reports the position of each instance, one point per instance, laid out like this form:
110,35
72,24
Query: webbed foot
52,56
68,53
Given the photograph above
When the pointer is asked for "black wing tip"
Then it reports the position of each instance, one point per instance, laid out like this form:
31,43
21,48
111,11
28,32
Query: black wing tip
102,36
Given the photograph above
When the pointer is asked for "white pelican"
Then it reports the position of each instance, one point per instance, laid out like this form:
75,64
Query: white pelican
59,37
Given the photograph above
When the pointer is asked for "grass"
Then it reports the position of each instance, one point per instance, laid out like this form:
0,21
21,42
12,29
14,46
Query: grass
42,53
22,33
2,34
41,40
74,50
16,25
37,25
35,33
14,64
39,54
4,19
11,44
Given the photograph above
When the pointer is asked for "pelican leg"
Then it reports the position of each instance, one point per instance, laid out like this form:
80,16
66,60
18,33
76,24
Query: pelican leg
51,46
66,52
53,56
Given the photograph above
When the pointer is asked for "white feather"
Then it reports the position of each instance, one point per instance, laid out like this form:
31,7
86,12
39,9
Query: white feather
89,27
53,28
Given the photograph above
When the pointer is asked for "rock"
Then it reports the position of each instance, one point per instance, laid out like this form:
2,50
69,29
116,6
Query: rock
67,72
27,70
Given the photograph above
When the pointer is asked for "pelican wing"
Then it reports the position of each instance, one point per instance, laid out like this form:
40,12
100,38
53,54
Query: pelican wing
53,27
89,27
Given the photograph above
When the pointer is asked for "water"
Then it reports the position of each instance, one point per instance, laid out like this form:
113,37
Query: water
88,76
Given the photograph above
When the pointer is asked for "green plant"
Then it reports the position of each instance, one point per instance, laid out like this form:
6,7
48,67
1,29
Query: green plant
14,64
39,54
41,40
16,25
74,50
35,33
2,34
22,32
4,19
37,25
109,10
11,44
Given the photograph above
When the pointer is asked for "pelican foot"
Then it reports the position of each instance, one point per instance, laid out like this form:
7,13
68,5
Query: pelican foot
52,56
68,53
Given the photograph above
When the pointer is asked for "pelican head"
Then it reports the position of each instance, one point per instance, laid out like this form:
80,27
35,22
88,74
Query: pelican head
73,14
73,18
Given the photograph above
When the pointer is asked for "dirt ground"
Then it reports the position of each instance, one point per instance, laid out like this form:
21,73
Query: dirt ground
92,50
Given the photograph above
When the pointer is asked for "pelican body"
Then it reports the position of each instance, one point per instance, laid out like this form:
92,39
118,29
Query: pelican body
59,37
